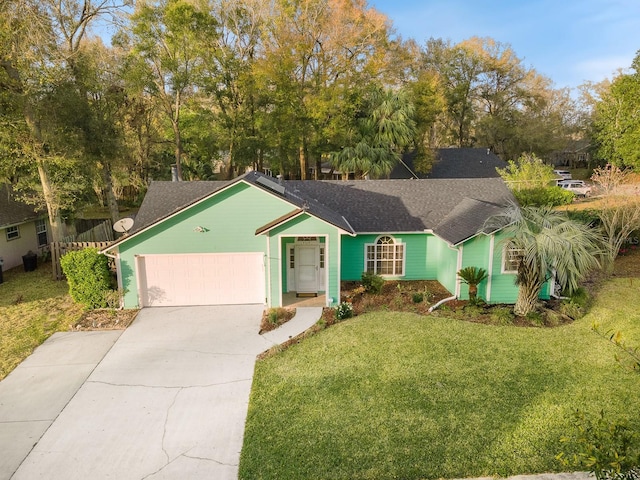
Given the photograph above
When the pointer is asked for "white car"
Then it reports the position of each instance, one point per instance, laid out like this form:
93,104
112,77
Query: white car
578,187
562,175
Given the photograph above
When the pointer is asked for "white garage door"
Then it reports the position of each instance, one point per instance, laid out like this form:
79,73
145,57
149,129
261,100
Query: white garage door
200,279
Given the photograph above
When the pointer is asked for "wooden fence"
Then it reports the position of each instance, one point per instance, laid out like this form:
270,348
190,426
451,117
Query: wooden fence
102,232
58,249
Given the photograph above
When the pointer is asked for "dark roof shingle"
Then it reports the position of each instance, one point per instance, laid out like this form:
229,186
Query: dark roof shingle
455,209
12,211
453,163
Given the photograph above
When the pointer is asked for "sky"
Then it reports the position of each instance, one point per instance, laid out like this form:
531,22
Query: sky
569,41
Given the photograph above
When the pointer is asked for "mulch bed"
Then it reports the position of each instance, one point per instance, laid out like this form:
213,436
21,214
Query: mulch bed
272,318
105,319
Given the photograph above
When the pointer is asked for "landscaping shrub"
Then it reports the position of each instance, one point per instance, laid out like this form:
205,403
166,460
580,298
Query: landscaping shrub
372,283
535,318
502,315
88,277
541,197
472,310
576,305
417,297
473,276
581,297
344,311
609,450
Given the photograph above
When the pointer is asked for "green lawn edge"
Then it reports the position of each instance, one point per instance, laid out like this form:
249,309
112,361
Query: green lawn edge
395,395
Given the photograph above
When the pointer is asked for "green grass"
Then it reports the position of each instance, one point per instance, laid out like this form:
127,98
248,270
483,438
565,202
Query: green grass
33,306
392,395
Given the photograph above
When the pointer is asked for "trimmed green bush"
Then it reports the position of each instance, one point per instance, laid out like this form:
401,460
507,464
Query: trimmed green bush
541,197
88,277
372,283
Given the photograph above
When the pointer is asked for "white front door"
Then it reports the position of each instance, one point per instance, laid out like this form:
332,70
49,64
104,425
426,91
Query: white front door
306,268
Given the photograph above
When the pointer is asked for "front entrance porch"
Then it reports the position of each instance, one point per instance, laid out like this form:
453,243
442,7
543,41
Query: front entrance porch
290,299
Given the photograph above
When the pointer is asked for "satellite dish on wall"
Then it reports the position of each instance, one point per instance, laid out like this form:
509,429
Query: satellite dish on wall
123,225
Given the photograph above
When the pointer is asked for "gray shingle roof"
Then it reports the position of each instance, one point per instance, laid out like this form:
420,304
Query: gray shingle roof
453,208
454,163
166,198
406,205
466,219
13,212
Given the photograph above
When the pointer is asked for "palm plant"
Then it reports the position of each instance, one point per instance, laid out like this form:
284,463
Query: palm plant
383,130
548,242
473,277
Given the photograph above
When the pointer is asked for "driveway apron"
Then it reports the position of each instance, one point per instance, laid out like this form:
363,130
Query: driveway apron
169,400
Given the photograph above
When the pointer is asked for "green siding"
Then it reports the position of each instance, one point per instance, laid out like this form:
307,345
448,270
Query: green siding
503,285
416,264
446,263
231,217
304,226
476,254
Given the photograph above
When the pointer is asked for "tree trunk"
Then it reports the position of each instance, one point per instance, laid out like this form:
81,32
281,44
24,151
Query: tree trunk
175,123
473,292
178,150
52,206
318,173
303,162
230,172
111,198
527,299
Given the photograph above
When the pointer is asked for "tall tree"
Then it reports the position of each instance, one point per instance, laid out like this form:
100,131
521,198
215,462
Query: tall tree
382,131
164,36
616,123
459,68
428,99
229,57
40,58
494,101
315,52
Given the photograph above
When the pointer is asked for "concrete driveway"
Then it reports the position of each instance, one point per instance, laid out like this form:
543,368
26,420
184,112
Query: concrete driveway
168,400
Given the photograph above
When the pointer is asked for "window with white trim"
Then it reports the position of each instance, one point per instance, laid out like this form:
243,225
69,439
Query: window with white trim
12,233
511,257
41,232
385,257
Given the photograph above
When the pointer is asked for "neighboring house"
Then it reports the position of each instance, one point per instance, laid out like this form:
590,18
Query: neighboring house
576,154
252,239
453,163
21,229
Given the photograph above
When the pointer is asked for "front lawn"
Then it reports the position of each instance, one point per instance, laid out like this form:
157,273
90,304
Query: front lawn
32,307
397,395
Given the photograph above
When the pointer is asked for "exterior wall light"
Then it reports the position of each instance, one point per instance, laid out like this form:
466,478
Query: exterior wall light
200,229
